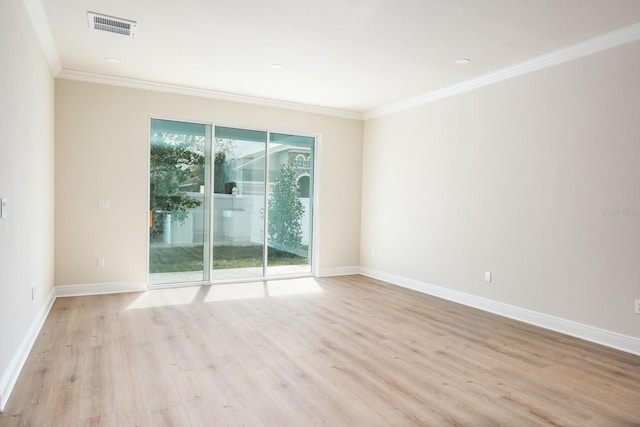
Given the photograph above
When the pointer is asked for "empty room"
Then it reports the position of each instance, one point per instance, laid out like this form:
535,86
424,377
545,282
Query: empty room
337,213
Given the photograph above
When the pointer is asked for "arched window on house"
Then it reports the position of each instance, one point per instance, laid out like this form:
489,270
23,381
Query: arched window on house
299,161
303,186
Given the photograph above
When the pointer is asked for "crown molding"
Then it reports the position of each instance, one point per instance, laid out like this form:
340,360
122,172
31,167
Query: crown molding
43,33
597,44
588,47
203,93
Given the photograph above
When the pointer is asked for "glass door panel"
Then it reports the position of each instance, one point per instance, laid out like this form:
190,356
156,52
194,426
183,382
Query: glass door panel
238,204
290,204
178,216
234,205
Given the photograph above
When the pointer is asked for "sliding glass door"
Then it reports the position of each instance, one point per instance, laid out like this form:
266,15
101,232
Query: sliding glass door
235,206
238,204
178,201
290,204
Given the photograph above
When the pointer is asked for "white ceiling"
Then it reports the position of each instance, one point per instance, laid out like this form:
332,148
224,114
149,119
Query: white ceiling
353,55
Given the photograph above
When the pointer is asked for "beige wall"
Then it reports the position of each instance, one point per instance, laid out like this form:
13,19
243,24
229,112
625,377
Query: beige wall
102,152
514,178
26,179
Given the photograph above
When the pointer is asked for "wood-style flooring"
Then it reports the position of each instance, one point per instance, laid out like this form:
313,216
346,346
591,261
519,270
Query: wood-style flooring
344,351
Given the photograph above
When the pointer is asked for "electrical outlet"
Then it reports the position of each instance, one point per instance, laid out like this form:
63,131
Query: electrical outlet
101,262
638,306
487,276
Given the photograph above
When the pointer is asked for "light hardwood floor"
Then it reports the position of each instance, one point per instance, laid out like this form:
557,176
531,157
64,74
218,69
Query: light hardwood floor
345,351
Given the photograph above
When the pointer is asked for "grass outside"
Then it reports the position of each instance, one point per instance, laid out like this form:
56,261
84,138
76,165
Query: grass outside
189,258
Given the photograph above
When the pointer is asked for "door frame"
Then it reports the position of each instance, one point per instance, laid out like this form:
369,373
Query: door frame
209,206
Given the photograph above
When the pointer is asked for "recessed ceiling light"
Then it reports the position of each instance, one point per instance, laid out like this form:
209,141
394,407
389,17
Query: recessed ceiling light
462,61
112,60
277,66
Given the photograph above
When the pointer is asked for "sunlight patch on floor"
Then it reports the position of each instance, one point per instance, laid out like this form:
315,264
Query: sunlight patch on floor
235,291
165,297
306,285
226,292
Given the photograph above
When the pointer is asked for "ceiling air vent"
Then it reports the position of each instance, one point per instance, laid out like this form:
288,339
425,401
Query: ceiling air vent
112,24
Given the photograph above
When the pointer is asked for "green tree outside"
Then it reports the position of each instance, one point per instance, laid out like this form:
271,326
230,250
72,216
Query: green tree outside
174,160
285,211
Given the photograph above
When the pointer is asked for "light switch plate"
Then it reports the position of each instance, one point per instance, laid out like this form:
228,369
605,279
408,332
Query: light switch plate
4,209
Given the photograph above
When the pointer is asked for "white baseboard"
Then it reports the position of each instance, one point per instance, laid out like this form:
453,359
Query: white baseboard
589,333
100,289
338,271
10,376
